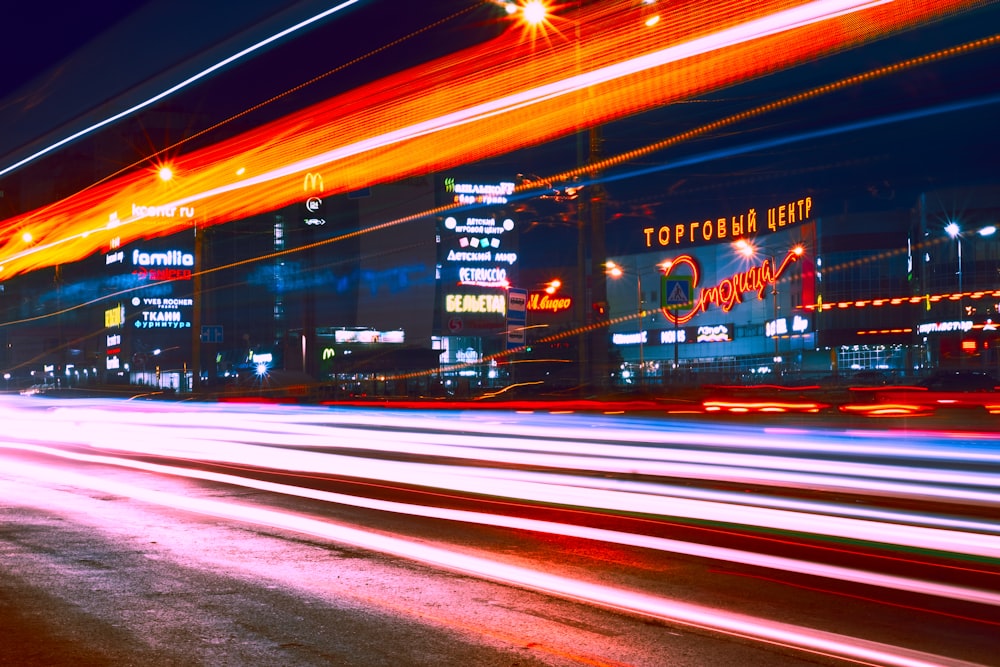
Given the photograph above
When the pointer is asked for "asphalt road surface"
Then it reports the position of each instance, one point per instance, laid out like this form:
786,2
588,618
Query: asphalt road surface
96,579
135,534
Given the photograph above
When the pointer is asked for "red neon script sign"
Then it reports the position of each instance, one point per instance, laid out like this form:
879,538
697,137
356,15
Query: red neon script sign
730,291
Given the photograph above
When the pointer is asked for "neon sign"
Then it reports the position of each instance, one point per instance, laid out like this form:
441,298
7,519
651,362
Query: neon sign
163,302
478,225
479,193
161,319
158,275
784,327
633,338
546,302
483,277
313,182
368,336
730,291
714,333
162,211
168,258
476,303
673,336
944,327
732,226
114,317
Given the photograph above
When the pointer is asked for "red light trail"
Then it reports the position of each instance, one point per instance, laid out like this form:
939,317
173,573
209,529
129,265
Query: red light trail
485,101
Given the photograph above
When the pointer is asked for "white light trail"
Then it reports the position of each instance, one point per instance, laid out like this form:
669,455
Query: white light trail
783,634
183,84
214,436
226,444
568,530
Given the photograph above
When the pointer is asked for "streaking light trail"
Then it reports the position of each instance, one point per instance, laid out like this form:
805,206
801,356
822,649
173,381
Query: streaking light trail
486,101
180,86
583,465
783,634
517,523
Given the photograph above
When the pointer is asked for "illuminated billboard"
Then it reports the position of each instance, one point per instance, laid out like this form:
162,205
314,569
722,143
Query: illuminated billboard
154,313
478,254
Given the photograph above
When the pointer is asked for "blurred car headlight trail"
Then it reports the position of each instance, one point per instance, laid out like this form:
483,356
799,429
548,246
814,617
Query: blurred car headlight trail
614,537
598,454
552,482
783,634
214,441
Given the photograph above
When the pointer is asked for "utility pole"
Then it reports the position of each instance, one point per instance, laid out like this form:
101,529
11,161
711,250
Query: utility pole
196,304
598,260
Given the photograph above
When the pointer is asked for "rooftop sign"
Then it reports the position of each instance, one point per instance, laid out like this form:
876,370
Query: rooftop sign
729,291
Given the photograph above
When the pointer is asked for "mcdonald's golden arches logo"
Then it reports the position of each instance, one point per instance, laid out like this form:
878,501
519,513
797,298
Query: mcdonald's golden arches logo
312,182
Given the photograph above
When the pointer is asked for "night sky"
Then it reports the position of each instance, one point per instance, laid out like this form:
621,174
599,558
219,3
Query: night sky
39,35
98,62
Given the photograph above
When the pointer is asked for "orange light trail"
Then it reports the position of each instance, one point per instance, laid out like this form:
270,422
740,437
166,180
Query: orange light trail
485,101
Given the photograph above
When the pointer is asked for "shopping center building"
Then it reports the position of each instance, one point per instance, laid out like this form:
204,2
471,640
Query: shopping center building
798,289
894,293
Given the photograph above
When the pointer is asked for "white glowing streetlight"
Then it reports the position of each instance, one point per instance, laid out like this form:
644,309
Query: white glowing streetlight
653,18
616,271
955,232
749,250
534,12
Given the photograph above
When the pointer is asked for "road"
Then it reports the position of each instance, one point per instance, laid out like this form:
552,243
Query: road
139,532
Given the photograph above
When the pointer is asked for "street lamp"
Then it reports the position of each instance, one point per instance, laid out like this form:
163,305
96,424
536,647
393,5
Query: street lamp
955,232
749,250
616,271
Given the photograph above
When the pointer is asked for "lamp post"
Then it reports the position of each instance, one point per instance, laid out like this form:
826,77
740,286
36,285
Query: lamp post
749,250
616,271
955,232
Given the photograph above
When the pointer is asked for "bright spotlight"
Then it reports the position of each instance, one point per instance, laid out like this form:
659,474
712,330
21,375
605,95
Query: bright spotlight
534,12
745,248
165,173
